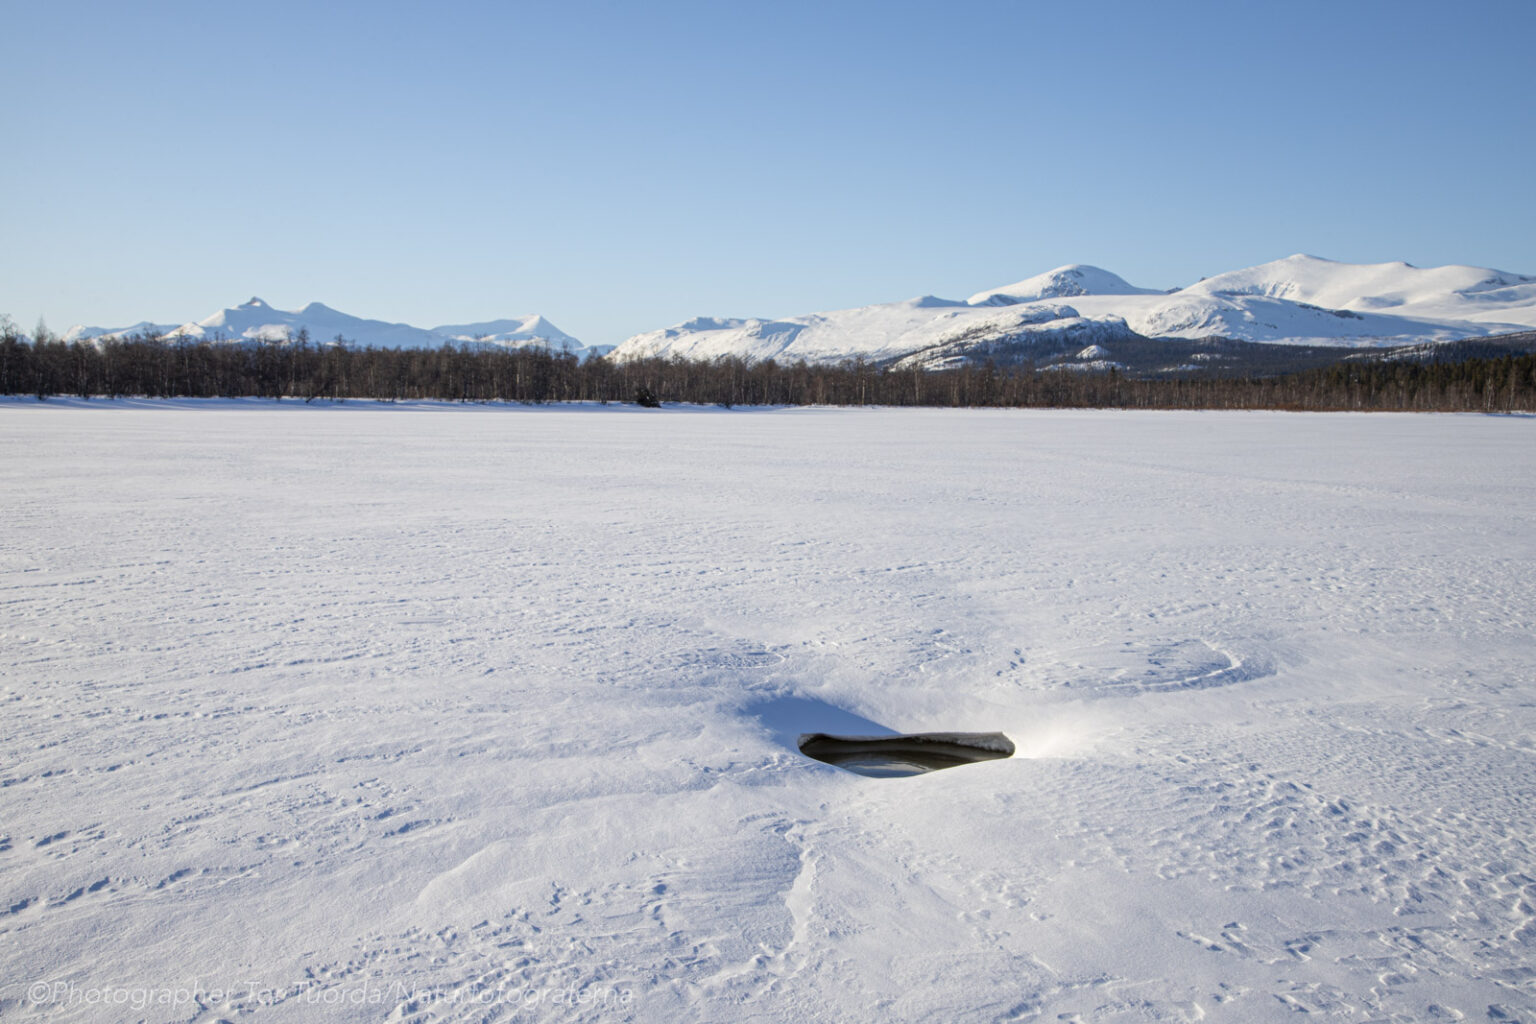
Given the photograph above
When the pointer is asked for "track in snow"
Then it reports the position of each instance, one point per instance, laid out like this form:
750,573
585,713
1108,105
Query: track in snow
489,714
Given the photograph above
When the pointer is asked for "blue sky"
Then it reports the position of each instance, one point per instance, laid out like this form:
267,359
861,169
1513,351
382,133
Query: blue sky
620,167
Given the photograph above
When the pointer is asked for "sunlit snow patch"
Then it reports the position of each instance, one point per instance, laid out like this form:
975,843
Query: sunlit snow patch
894,757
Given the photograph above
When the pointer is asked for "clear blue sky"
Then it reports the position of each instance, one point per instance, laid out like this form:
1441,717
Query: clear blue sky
620,167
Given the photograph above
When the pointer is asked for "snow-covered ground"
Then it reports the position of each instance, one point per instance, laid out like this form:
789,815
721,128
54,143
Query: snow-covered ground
435,713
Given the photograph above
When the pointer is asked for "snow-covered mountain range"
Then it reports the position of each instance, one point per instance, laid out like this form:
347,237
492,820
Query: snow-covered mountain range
257,321
1297,300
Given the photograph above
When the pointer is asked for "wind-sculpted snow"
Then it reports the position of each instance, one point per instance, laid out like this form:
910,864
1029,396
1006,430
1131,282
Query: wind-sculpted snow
431,713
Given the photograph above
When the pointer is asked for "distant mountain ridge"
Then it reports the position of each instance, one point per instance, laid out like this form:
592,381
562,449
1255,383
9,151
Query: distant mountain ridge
1300,300
255,320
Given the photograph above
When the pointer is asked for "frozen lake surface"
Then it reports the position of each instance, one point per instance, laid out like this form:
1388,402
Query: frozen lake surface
432,713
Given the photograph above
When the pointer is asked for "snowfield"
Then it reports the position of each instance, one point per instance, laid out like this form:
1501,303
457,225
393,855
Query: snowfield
431,713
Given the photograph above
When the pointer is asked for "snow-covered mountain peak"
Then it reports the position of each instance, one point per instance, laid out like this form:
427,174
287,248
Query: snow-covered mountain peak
147,328
1065,282
1453,291
526,330
256,321
1299,299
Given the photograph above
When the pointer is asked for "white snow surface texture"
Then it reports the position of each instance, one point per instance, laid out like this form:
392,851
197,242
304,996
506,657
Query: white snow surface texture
1297,300
478,714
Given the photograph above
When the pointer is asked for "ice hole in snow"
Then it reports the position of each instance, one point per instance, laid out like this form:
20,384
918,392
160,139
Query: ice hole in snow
894,757
867,747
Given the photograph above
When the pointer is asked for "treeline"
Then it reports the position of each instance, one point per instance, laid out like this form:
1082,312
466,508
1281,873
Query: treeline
166,368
